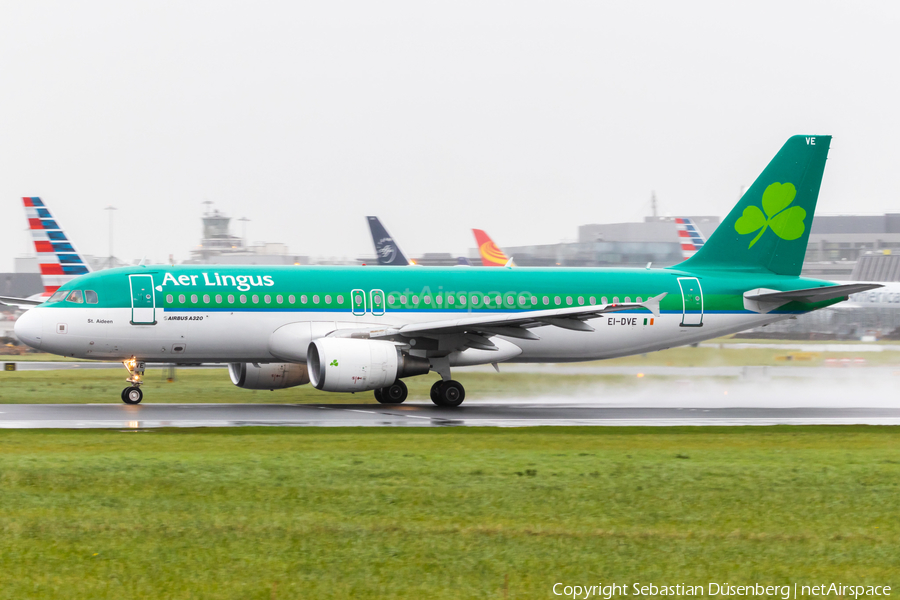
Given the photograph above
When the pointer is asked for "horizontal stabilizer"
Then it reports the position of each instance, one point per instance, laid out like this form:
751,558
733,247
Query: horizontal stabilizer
764,300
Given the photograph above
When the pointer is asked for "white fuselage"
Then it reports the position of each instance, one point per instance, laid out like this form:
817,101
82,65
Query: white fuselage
222,336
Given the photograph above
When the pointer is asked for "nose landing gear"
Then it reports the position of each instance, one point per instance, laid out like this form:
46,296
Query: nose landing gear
133,394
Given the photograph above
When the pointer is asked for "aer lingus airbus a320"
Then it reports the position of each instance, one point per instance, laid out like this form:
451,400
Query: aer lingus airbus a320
350,329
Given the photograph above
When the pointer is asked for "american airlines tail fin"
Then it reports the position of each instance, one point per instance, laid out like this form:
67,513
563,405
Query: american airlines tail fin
491,255
386,248
59,261
769,227
690,237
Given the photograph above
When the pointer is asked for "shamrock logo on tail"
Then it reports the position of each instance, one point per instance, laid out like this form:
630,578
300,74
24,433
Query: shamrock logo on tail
787,223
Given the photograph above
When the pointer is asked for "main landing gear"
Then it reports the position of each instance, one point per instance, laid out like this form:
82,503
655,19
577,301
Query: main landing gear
133,394
448,393
393,394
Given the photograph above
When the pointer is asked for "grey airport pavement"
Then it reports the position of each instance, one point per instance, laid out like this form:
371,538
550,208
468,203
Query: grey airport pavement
419,414
655,396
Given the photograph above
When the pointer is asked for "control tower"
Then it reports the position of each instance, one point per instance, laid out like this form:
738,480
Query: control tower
218,246
217,239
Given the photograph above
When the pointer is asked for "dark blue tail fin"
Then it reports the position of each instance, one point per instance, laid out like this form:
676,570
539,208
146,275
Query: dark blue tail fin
386,248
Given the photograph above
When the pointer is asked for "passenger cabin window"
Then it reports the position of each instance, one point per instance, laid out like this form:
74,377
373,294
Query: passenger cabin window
76,297
59,296
91,297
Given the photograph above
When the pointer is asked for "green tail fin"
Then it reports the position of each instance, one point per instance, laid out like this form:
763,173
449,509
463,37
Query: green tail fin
769,227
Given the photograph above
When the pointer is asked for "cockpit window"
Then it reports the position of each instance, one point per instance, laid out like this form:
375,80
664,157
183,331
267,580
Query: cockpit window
76,297
58,296
91,297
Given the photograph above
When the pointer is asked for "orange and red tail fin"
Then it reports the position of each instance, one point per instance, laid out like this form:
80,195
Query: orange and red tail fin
491,255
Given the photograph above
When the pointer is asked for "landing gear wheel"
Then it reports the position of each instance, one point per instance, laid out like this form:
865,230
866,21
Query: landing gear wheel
436,391
394,394
132,395
450,394
379,396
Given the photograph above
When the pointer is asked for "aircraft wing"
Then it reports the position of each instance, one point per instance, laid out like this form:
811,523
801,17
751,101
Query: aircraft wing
20,302
515,325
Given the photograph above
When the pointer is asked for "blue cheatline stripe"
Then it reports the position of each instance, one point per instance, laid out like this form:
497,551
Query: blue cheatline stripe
489,311
331,310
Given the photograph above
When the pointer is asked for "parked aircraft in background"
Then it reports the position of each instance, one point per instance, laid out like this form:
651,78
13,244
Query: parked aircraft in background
491,255
386,249
58,259
351,329
689,235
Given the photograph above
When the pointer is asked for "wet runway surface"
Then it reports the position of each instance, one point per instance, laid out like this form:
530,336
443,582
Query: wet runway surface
497,414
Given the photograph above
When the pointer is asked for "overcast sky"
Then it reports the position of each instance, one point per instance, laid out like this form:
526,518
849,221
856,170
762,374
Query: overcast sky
526,119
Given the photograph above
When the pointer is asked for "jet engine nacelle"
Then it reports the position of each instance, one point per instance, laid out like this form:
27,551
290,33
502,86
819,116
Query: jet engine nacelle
354,365
270,376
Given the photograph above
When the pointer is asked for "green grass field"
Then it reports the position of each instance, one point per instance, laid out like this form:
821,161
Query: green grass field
312,513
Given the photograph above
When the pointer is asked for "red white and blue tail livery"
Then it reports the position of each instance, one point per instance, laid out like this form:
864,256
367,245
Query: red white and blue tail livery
59,261
690,237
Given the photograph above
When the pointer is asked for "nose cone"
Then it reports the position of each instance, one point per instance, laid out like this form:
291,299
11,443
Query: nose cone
30,327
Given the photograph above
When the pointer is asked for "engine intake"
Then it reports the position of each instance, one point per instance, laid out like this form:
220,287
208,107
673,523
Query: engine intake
270,376
352,365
